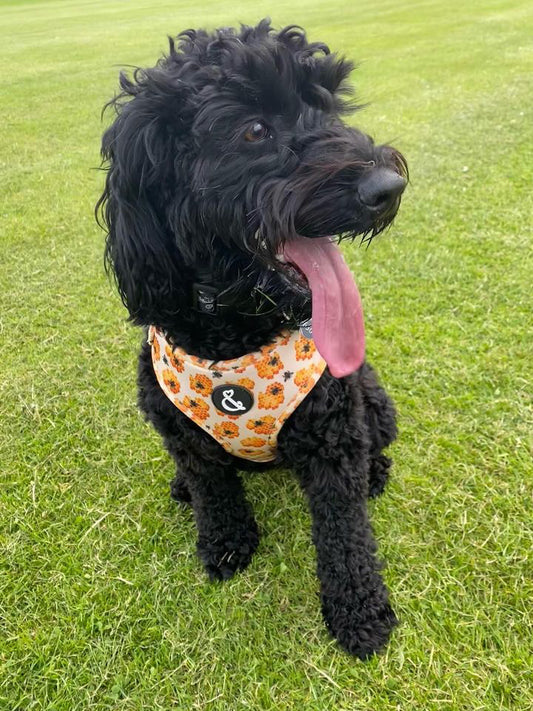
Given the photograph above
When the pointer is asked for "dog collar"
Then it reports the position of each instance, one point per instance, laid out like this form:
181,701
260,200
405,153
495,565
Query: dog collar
243,402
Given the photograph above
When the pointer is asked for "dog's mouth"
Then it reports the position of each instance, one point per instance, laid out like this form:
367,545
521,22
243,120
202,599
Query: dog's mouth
337,313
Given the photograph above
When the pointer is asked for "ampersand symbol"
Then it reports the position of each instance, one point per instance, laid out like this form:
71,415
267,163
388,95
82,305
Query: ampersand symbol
228,403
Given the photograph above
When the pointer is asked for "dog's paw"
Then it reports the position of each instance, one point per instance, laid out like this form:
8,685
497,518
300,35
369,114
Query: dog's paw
378,475
360,630
224,555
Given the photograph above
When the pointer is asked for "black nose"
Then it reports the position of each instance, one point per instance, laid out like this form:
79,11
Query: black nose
380,188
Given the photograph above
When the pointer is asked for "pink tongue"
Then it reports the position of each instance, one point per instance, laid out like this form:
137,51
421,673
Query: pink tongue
338,326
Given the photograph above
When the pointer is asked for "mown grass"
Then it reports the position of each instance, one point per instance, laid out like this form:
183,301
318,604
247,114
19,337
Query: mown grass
103,604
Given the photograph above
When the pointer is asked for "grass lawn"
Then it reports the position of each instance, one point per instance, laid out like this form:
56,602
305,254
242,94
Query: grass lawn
103,604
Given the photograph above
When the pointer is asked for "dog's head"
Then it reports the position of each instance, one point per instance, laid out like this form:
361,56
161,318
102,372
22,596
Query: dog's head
223,158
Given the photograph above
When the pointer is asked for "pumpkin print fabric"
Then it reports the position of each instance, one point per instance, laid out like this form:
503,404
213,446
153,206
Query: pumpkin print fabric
243,402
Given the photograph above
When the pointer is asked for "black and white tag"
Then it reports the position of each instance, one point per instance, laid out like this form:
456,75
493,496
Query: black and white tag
232,399
205,299
306,328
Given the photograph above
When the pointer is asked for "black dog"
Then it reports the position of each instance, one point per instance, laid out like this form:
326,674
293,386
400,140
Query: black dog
229,166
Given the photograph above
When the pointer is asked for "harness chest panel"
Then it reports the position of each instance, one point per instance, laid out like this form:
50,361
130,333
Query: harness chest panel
244,402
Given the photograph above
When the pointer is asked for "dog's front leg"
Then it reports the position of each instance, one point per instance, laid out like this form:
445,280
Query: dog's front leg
227,531
354,598
206,476
329,448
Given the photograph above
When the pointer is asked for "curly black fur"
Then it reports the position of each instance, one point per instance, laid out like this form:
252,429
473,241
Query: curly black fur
232,144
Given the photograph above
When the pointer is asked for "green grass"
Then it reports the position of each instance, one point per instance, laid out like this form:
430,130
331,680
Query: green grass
103,604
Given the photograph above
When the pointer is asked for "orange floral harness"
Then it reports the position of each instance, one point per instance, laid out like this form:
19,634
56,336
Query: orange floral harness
244,402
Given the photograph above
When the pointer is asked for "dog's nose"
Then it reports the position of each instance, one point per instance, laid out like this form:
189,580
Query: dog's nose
380,188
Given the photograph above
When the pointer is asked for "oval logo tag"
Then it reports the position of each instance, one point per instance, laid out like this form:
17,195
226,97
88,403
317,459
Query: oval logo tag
232,399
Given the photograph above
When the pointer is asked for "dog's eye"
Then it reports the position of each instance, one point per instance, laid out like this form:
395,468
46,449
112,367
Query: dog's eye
257,132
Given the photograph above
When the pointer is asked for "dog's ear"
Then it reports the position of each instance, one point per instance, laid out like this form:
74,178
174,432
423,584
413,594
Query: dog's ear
140,251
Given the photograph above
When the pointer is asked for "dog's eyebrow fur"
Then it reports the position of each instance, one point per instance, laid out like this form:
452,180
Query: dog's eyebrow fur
281,68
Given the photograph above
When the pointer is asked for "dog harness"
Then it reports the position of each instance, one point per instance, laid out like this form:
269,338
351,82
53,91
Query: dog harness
243,402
